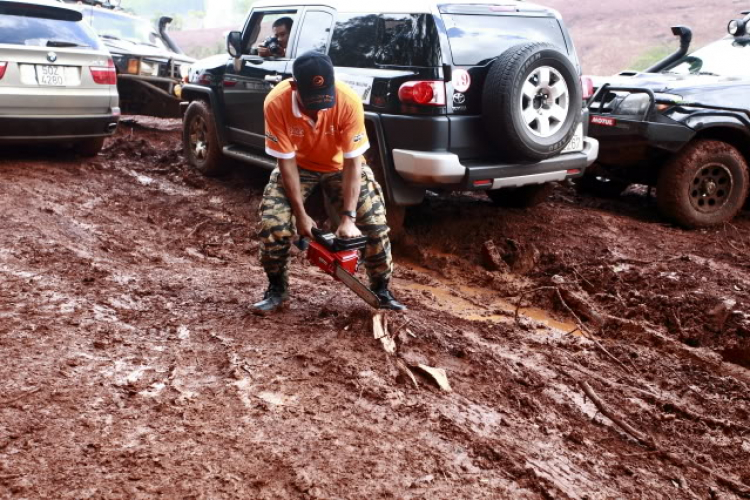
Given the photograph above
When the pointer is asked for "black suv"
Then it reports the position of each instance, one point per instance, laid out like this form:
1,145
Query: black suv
683,126
150,66
458,96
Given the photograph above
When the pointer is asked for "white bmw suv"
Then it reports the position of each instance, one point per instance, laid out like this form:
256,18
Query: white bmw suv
57,80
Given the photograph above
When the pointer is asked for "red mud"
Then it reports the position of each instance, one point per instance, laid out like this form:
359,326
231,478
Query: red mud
132,369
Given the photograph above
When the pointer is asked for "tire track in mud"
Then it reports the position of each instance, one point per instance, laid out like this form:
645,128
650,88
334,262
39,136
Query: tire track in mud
133,369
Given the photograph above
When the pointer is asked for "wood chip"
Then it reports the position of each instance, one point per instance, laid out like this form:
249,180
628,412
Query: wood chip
437,374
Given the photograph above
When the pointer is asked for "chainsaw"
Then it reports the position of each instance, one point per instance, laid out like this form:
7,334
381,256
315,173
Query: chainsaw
339,258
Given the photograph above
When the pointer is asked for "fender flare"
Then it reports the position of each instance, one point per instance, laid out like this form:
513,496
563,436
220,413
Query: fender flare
192,93
396,189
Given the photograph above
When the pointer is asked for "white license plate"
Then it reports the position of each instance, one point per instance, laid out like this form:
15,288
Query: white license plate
576,143
50,76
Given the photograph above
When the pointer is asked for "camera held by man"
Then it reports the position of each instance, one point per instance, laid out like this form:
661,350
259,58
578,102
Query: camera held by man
275,45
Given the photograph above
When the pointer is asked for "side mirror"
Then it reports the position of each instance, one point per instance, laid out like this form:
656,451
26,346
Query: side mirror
234,44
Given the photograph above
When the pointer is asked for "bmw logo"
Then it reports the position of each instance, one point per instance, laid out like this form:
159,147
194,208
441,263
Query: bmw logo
51,57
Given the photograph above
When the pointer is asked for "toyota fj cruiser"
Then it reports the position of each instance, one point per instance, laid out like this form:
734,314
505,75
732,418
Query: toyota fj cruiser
150,66
683,126
480,95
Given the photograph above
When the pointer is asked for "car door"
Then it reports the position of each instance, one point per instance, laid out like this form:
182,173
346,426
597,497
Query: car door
315,33
249,79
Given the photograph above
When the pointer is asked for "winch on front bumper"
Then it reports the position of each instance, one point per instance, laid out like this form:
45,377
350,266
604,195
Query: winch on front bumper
632,136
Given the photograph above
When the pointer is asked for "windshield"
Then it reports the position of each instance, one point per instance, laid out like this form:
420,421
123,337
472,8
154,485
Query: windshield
727,57
120,27
22,29
476,39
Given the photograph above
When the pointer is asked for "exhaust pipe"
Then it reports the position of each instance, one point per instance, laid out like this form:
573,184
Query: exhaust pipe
686,37
111,127
164,21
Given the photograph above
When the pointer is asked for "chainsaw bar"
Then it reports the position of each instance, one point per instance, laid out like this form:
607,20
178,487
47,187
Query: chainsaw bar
358,287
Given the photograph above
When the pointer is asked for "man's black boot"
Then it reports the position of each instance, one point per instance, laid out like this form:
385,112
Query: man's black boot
386,298
275,297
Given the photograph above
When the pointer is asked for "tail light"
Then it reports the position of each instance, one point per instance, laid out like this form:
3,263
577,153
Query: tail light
3,67
423,93
587,84
105,76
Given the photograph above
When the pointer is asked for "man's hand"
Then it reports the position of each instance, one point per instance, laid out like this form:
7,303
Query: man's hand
264,52
347,229
305,225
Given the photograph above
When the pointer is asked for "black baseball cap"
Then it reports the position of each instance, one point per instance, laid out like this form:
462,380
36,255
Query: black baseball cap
316,82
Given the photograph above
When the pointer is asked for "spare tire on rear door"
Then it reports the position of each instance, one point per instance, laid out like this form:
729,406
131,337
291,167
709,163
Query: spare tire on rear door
532,102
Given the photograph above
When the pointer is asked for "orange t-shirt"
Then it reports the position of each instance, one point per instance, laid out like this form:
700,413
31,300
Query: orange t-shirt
320,146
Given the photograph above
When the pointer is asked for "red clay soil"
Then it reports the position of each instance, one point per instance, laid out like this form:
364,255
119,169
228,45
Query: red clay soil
132,367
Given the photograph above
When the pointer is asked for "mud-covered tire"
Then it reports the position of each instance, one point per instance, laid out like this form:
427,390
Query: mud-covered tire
89,147
521,197
522,92
704,185
201,140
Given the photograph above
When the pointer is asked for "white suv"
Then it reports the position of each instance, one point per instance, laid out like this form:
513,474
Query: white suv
57,80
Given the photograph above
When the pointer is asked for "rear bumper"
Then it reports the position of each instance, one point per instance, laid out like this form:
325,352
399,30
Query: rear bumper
446,170
56,128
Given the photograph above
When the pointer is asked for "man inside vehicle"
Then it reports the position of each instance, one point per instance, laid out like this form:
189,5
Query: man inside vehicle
315,127
275,45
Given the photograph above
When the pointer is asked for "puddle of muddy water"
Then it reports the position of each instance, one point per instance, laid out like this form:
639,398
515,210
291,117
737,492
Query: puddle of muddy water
483,306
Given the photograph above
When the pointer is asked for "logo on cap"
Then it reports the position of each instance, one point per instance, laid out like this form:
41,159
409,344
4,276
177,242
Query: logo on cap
318,81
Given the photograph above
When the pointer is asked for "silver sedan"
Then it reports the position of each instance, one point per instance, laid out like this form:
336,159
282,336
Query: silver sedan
57,81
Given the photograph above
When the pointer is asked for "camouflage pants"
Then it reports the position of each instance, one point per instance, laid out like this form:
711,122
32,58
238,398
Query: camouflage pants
277,222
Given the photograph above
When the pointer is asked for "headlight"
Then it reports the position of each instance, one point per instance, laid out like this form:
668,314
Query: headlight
634,104
149,69
737,27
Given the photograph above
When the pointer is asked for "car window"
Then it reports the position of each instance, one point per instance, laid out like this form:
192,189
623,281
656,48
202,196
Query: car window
23,26
373,41
116,26
316,30
476,39
728,57
261,32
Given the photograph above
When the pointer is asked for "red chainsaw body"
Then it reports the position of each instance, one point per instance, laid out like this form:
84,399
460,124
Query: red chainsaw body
328,260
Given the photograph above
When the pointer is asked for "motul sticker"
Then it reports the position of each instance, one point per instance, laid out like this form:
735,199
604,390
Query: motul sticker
602,120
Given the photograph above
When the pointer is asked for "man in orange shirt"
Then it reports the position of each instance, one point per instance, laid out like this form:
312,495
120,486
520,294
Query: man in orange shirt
315,127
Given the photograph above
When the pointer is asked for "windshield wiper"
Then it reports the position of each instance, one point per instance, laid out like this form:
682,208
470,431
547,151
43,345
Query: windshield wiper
60,43
112,37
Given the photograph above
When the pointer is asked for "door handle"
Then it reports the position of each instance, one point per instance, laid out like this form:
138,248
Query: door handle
273,78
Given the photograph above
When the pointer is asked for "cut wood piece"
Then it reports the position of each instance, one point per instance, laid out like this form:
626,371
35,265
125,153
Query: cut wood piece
380,332
438,375
405,370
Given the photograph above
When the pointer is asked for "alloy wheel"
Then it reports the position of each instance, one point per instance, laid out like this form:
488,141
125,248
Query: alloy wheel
711,188
545,102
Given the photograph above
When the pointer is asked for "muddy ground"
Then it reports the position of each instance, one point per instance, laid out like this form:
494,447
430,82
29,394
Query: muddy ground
131,367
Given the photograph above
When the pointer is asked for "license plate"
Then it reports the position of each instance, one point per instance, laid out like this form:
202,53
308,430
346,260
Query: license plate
576,143
50,76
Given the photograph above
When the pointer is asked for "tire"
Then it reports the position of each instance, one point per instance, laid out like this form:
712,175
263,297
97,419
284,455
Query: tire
532,102
704,185
521,197
89,147
200,140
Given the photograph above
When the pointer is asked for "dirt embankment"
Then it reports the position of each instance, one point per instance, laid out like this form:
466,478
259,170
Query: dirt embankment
132,369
